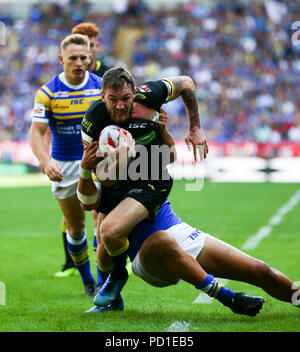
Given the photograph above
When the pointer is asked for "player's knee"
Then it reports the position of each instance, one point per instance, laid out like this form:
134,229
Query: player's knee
164,245
76,230
264,272
110,232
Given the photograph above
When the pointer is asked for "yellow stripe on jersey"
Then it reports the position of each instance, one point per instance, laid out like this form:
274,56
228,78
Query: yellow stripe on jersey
71,108
48,91
42,98
98,65
170,97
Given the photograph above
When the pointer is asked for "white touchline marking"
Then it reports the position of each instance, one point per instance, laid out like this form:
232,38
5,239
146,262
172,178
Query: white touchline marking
203,298
28,180
276,219
179,326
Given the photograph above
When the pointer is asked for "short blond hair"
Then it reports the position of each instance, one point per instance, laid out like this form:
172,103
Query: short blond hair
78,39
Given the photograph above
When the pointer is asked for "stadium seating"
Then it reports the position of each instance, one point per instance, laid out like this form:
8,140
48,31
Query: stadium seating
240,56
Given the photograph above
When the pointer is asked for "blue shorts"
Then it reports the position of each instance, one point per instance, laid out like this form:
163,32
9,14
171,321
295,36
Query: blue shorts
165,218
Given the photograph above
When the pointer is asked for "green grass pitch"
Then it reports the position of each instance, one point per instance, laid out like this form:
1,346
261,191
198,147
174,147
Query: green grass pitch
33,300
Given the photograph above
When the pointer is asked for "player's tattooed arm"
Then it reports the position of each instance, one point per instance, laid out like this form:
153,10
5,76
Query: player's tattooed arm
185,87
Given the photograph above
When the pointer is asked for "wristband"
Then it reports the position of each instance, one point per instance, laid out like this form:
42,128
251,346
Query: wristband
85,174
87,200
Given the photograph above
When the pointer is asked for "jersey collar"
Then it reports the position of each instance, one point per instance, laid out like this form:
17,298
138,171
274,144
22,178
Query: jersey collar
62,77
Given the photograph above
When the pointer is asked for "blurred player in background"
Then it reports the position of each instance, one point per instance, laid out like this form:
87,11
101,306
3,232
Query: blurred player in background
96,65
98,68
61,104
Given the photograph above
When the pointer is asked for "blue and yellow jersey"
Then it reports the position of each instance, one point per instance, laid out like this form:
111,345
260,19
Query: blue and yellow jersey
63,107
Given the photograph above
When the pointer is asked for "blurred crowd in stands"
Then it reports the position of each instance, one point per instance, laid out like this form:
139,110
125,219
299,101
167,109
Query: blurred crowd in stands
239,54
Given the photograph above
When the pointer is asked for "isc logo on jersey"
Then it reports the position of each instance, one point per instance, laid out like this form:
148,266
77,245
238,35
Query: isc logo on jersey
138,125
77,101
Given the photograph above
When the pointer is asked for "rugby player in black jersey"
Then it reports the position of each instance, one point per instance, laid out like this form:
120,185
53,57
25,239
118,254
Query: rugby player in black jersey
126,203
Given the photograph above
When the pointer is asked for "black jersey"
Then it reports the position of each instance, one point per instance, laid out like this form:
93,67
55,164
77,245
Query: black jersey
154,94
100,68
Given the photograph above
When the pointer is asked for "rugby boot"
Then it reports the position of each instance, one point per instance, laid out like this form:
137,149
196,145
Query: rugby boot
67,271
109,291
245,305
89,288
116,305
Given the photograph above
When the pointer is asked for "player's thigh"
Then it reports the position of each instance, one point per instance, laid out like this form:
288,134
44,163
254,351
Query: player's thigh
153,253
223,260
73,213
124,217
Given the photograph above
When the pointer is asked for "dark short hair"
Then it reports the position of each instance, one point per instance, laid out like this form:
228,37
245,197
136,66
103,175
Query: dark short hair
116,78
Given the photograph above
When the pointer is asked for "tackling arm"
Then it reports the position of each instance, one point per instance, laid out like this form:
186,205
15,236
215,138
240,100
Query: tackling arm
185,87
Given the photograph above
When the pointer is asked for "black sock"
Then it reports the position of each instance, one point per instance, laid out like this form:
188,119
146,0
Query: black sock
69,260
104,275
119,271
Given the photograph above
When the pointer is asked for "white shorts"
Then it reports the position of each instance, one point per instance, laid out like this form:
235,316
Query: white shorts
187,237
68,186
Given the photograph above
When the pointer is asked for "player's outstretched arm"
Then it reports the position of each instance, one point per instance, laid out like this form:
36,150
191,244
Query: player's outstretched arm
185,88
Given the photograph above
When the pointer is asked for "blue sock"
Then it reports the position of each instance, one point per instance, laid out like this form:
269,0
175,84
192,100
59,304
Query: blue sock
214,289
78,249
99,277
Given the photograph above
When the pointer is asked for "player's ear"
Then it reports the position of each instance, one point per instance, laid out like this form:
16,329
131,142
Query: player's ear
102,95
60,58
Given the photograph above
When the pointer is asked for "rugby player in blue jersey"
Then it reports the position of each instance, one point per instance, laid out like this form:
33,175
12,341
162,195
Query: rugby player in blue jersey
61,104
168,250
97,67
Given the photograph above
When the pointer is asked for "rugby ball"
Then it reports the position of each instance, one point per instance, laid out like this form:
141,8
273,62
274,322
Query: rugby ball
110,135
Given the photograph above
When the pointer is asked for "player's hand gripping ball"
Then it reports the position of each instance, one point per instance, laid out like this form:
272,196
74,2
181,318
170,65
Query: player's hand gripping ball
110,135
